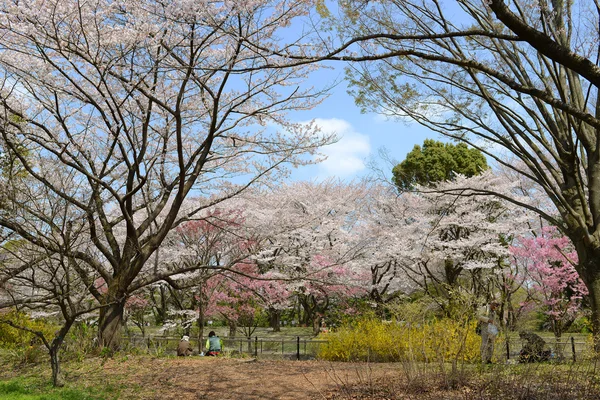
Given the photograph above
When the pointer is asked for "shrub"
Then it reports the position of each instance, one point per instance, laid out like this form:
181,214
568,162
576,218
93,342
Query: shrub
79,342
21,346
13,338
373,340
581,325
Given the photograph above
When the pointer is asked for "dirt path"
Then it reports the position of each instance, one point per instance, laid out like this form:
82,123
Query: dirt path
220,378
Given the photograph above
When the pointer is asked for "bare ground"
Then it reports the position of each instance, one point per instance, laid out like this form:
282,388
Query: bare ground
197,378
222,378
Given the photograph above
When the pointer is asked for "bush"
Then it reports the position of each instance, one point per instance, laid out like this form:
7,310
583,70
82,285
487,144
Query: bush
22,346
373,340
79,342
11,338
581,325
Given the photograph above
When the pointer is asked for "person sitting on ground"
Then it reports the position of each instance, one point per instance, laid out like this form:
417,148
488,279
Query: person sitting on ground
534,348
213,344
185,348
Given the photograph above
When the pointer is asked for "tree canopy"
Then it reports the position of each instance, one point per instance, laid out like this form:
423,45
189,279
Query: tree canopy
436,162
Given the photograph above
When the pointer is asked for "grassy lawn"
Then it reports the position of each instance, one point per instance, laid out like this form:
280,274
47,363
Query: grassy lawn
39,388
85,380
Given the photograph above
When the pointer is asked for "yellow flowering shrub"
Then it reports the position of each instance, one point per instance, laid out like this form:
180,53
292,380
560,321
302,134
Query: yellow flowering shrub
374,340
11,338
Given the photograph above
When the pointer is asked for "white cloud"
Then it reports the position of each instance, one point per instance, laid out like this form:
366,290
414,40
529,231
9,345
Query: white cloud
347,156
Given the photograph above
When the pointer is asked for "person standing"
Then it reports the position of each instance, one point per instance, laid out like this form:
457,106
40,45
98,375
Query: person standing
489,331
214,344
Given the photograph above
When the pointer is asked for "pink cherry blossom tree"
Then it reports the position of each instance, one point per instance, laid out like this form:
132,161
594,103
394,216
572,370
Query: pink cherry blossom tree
548,259
236,300
199,250
136,308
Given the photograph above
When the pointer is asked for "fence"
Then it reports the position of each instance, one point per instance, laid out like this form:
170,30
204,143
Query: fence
292,347
298,347
568,348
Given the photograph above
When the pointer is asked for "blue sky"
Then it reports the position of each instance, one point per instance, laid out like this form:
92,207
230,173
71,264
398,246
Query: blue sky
361,134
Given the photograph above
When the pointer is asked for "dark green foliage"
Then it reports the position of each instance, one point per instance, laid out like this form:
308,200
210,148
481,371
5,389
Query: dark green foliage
437,162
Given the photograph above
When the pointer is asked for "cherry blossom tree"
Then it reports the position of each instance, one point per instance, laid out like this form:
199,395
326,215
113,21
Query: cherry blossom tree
200,250
235,299
548,259
443,243
143,103
136,308
40,280
308,236
328,287
298,221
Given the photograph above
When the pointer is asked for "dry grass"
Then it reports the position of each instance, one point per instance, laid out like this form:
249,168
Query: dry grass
145,377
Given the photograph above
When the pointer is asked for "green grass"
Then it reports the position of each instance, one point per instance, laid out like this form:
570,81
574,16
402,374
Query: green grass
35,388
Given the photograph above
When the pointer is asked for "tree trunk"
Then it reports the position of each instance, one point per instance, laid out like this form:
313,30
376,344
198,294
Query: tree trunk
589,271
317,324
54,362
593,286
200,327
232,329
110,326
274,319
309,310
558,346
160,306
53,349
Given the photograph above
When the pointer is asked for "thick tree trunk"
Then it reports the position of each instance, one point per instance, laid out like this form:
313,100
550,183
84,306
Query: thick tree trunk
274,319
593,285
110,326
309,310
232,330
589,272
317,324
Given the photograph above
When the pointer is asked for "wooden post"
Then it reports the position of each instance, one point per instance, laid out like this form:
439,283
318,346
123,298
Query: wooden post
297,347
573,348
255,346
507,349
